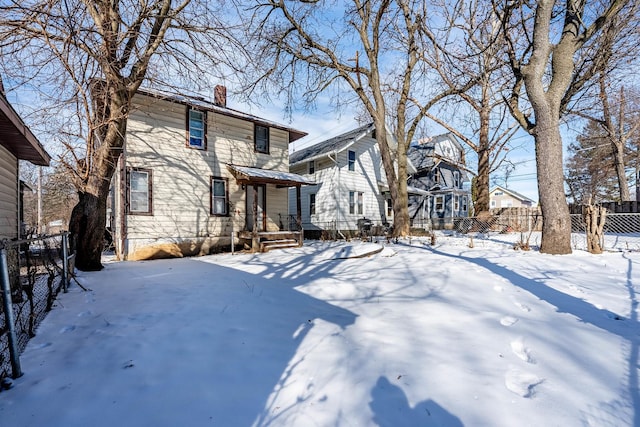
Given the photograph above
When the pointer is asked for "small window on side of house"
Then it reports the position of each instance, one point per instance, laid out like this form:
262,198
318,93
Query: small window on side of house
312,204
456,203
219,197
196,128
493,203
352,202
352,160
312,167
360,202
456,179
464,204
389,208
261,139
439,203
139,191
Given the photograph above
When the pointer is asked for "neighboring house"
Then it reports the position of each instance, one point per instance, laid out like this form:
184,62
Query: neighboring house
500,197
350,181
197,177
16,143
441,175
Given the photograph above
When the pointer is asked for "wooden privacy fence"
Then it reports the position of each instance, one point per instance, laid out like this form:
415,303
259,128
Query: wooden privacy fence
631,206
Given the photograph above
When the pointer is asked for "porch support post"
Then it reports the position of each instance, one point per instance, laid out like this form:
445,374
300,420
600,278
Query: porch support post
299,215
255,242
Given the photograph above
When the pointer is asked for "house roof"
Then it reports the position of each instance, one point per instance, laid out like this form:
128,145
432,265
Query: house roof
332,145
512,193
249,175
16,137
204,104
424,154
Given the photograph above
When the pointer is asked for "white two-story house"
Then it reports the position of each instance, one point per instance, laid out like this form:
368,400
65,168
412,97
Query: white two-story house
197,177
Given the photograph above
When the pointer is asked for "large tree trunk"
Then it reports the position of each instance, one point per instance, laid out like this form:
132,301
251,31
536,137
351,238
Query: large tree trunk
556,224
87,227
482,181
401,222
618,147
88,218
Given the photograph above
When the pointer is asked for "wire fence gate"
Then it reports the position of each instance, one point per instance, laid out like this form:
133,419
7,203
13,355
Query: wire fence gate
32,273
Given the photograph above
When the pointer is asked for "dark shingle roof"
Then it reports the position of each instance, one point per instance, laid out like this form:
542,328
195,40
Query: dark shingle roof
422,156
332,145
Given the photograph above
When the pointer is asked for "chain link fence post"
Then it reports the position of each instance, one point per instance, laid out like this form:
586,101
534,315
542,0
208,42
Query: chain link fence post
8,313
65,262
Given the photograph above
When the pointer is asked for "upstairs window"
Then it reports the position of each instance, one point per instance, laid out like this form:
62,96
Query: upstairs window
219,197
439,203
261,139
456,179
312,167
139,191
464,204
352,160
456,204
196,128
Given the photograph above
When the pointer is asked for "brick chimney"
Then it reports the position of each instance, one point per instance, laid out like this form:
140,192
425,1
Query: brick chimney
220,96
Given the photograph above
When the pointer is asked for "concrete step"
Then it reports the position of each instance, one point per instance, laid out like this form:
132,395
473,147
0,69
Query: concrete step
267,245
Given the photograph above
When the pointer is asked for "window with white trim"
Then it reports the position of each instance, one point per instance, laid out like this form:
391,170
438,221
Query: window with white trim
352,160
456,203
439,203
389,208
456,179
464,204
219,197
312,167
356,202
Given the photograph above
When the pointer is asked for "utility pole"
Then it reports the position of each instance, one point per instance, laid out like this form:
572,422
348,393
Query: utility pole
40,228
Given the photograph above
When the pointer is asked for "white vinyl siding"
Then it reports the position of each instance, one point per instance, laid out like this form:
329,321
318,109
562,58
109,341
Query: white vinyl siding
334,184
182,176
8,194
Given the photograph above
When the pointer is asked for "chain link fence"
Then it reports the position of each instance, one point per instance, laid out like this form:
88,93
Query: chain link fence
621,230
31,274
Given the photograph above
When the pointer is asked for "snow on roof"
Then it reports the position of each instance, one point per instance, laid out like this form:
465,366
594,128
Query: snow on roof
202,103
332,145
512,193
257,175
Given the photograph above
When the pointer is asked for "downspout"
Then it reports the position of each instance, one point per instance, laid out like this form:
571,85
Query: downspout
337,197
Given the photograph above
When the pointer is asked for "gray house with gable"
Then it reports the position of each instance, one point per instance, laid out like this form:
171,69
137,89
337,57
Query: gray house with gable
443,177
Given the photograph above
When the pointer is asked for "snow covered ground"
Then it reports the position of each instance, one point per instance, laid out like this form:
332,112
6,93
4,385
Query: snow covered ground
413,335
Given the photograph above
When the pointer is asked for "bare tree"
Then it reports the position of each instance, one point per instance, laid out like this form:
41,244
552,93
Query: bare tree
473,26
90,58
373,48
554,48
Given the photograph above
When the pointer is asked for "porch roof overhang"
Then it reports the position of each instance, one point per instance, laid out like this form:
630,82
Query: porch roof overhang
410,190
249,175
16,137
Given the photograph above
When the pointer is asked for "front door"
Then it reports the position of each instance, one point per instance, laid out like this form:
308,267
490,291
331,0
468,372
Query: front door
261,218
